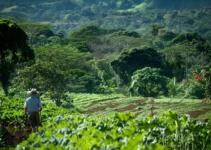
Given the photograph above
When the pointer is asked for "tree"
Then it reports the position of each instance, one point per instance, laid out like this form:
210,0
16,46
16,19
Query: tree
179,60
186,52
13,49
203,77
155,29
136,58
57,70
34,30
107,76
81,37
148,82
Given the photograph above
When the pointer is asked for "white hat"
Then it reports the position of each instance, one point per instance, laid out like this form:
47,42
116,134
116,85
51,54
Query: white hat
33,92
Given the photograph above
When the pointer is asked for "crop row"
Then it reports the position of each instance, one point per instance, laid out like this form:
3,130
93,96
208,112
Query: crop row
121,131
88,98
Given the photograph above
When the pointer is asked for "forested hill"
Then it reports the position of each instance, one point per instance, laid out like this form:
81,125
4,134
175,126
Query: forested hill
105,56
180,4
136,15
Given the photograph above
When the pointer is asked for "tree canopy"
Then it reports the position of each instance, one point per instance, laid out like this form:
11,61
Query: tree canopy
149,82
13,49
134,59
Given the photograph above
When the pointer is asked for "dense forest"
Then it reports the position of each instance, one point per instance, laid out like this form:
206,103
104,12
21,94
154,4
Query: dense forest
150,48
135,15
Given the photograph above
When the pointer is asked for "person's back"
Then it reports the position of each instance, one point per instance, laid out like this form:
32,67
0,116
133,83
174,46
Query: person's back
33,104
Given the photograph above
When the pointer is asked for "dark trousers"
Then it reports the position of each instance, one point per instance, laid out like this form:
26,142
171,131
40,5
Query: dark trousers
34,119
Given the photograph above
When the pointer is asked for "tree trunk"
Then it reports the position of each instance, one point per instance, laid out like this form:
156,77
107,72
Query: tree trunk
5,83
58,102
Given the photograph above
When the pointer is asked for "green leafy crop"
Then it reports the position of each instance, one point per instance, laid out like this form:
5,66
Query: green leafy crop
121,131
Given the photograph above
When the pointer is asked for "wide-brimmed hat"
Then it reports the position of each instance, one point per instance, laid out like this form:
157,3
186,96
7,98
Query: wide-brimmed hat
33,92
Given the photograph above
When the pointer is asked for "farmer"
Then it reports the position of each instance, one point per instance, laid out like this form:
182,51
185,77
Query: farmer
32,107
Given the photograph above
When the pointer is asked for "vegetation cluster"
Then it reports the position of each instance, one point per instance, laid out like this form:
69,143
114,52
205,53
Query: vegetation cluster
136,15
107,47
121,131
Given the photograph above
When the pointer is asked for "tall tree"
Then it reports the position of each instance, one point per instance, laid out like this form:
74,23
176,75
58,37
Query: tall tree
33,30
13,49
57,69
137,58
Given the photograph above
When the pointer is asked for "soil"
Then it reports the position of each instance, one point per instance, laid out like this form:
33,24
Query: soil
13,136
134,104
102,108
127,108
195,114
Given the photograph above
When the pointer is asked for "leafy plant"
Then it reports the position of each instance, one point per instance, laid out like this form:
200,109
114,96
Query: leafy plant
204,78
148,82
121,131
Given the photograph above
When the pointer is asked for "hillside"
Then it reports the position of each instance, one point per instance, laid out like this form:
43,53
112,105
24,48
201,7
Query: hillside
177,16
110,74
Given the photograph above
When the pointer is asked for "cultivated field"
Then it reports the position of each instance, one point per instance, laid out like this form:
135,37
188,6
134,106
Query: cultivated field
99,105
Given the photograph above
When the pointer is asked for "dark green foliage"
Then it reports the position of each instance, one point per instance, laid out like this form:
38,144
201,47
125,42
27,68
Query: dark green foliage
57,70
186,53
155,28
72,15
149,82
37,33
108,79
127,33
81,81
166,35
13,49
134,59
80,38
179,4
45,32
208,36
194,40
191,38
91,30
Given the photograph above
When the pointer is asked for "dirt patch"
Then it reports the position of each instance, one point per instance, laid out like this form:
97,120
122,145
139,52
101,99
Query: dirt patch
102,108
152,112
15,137
127,108
139,102
197,113
95,103
131,107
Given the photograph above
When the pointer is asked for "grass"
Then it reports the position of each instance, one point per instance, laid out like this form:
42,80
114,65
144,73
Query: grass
52,3
102,105
140,7
9,9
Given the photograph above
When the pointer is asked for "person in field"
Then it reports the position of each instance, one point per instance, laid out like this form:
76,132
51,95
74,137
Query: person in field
33,108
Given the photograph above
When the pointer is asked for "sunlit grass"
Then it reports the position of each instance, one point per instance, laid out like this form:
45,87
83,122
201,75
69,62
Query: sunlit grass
99,105
9,9
52,3
140,7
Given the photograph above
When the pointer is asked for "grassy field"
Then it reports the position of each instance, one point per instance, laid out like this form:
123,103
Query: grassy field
101,105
